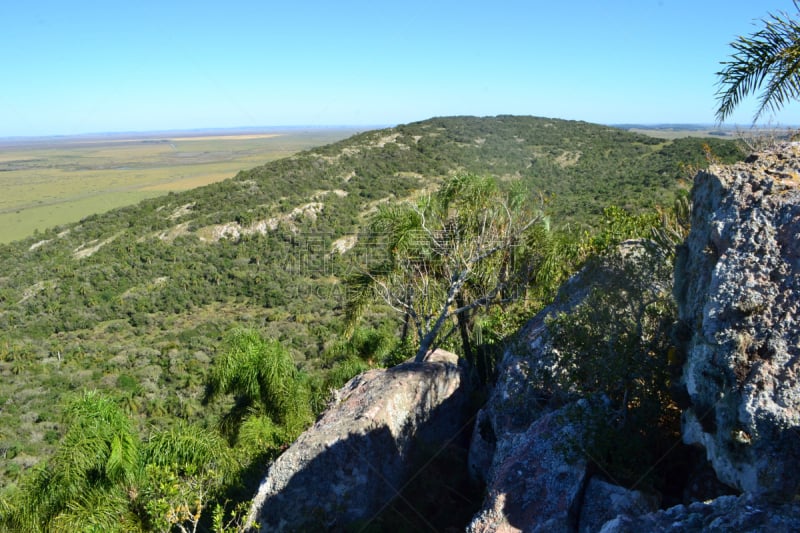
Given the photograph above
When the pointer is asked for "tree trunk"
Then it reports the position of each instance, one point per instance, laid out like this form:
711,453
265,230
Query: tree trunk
407,318
425,345
426,341
463,328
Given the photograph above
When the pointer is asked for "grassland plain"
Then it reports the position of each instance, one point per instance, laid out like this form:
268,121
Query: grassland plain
51,181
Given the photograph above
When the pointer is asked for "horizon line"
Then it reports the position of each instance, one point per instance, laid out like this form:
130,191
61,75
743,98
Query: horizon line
172,131
274,128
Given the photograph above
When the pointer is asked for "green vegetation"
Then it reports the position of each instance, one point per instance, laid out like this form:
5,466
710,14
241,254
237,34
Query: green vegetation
449,256
262,376
615,346
768,58
615,349
153,303
102,477
52,181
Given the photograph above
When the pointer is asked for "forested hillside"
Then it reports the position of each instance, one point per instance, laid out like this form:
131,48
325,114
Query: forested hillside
135,302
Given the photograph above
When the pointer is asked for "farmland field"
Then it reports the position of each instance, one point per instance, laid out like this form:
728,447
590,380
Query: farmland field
45,182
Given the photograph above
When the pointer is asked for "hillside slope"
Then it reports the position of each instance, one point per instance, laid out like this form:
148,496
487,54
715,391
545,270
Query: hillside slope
134,301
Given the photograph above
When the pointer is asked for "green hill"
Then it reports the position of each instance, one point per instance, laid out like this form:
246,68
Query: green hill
134,301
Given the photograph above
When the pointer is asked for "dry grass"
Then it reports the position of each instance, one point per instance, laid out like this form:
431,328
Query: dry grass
44,183
228,137
679,133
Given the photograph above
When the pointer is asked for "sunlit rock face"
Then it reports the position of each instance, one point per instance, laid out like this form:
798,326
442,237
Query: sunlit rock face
358,455
534,486
737,283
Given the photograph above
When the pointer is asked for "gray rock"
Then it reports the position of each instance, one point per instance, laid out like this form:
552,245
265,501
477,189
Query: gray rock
515,403
722,515
522,437
519,397
603,501
737,283
356,458
525,387
537,480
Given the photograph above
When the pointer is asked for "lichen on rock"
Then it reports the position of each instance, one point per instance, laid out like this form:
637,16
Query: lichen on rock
358,455
737,283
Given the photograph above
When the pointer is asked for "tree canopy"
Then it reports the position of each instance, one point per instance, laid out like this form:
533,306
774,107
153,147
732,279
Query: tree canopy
453,251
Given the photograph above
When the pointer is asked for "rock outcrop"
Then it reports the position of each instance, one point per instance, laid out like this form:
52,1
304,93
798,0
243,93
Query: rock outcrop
603,501
735,372
722,515
524,388
536,486
357,456
737,283
526,439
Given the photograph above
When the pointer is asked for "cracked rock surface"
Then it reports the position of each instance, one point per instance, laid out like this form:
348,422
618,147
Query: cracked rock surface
737,283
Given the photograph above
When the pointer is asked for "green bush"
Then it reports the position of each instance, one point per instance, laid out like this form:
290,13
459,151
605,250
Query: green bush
615,346
262,376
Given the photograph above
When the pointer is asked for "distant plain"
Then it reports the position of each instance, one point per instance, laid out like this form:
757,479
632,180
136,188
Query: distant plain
48,181
45,182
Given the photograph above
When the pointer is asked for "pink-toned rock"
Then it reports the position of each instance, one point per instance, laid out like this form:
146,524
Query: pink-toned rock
537,484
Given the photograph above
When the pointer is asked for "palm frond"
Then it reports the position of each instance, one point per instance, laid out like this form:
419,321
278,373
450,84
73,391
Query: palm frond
97,510
187,447
260,373
360,295
97,458
100,439
769,58
260,432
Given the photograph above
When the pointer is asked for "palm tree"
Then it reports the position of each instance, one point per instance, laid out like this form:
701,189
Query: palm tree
262,376
184,469
769,58
102,478
448,255
188,448
97,459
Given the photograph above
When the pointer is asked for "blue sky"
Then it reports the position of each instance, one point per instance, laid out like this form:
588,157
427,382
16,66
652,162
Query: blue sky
80,66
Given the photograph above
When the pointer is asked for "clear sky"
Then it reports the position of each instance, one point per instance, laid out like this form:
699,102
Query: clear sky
95,66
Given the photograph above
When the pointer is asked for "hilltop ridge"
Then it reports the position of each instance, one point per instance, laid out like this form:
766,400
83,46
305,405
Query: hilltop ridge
134,301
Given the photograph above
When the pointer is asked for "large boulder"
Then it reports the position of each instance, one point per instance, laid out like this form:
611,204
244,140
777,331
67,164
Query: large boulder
737,283
538,482
357,457
526,442
721,515
603,501
525,388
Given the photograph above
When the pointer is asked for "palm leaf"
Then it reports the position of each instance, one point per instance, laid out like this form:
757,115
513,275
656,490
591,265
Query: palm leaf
770,58
260,373
97,511
188,447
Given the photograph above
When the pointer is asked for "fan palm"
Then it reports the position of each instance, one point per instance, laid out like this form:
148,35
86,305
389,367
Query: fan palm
768,59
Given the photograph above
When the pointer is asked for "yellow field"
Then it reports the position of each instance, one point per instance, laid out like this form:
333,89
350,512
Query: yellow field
44,183
229,137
